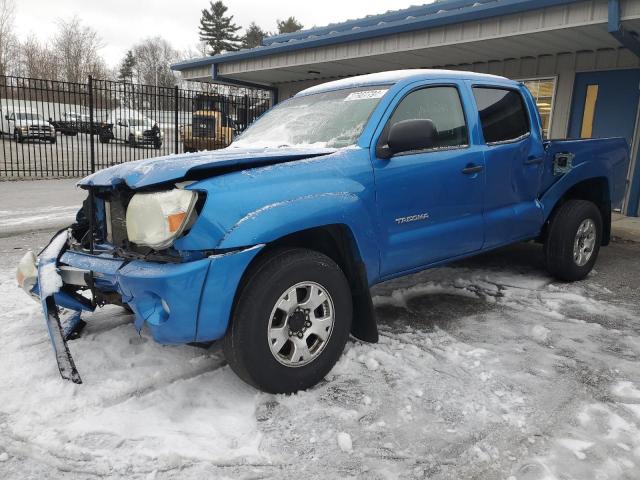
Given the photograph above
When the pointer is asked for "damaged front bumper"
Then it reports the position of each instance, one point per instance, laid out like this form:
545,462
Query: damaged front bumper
179,302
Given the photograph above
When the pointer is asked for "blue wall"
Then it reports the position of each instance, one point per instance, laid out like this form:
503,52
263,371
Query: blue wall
615,115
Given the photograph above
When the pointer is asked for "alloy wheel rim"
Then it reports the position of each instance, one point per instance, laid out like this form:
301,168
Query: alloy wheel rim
584,243
300,324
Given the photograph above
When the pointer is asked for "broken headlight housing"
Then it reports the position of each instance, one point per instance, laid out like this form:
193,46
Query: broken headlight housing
156,219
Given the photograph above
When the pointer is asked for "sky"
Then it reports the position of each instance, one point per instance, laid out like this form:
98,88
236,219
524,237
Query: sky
122,23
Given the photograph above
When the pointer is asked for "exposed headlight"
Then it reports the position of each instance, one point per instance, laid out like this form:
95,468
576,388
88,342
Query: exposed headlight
157,219
27,273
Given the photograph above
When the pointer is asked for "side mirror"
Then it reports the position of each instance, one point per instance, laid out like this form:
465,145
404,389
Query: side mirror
411,135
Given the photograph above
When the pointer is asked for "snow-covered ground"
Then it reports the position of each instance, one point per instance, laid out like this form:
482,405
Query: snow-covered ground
484,370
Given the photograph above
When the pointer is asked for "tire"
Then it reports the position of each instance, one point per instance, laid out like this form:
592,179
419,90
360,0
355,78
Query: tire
247,344
52,140
576,223
104,139
17,136
157,145
132,141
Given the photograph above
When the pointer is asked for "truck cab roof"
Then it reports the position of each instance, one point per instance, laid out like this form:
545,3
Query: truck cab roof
405,76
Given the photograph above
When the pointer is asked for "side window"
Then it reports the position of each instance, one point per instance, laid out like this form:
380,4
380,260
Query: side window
502,113
441,105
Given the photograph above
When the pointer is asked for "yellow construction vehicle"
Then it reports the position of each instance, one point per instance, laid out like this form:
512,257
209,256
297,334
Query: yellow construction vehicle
210,129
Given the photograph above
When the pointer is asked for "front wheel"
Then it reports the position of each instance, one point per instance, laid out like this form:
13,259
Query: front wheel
132,141
291,321
574,239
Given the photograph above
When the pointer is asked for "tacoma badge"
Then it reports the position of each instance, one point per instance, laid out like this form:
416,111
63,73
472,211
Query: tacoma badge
412,218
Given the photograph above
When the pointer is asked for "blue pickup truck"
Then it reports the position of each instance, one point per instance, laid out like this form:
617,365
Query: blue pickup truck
271,245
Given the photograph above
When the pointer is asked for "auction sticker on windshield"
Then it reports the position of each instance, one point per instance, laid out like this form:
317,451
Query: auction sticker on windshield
365,95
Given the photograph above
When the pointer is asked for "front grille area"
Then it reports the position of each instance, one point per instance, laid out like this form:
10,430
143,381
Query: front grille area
39,129
115,217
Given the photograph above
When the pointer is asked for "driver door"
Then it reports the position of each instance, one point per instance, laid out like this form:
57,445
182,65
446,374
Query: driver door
430,202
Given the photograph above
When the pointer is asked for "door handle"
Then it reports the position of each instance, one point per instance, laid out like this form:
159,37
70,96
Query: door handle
471,169
533,161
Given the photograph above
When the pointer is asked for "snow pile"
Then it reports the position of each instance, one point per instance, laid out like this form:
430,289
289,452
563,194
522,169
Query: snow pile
49,280
479,373
344,442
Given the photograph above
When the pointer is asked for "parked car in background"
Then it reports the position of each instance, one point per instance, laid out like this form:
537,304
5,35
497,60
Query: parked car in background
272,244
68,124
28,126
131,127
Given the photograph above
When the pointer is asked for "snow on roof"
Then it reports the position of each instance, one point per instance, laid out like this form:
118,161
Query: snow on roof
439,13
388,78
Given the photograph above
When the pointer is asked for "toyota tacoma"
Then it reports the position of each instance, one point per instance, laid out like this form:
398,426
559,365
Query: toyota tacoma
272,244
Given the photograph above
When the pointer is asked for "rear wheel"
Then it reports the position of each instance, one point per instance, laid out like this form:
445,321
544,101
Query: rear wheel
17,136
574,239
132,141
291,321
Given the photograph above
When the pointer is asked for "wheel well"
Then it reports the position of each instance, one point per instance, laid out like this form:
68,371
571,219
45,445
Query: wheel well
595,190
337,242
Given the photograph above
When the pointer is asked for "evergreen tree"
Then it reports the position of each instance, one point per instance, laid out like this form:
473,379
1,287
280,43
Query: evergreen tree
289,25
126,67
253,36
217,30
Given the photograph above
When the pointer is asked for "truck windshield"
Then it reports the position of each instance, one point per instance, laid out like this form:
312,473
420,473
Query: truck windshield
329,119
29,116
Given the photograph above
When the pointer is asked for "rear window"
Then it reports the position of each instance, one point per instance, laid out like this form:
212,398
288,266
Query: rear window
502,114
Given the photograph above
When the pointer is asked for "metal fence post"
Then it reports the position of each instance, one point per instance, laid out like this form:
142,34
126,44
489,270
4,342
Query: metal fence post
176,147
246,111
92,151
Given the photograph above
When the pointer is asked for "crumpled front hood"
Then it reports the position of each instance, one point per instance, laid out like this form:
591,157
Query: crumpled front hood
152,171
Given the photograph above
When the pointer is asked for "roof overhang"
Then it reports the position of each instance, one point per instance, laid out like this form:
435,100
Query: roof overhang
460,32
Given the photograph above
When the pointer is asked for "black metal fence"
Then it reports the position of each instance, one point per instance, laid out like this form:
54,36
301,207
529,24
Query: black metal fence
59,129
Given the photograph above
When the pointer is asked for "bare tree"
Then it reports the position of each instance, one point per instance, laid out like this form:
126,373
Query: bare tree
154,57
77,48
8,41
37,60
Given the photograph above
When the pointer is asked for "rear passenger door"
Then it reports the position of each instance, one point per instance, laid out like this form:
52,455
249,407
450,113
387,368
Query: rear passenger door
513,155
430,201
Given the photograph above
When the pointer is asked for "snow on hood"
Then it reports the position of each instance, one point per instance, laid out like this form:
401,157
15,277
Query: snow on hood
152,171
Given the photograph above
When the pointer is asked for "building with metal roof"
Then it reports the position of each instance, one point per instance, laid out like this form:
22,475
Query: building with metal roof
580,59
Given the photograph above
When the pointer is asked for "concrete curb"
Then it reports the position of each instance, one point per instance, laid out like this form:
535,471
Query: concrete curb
626,228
